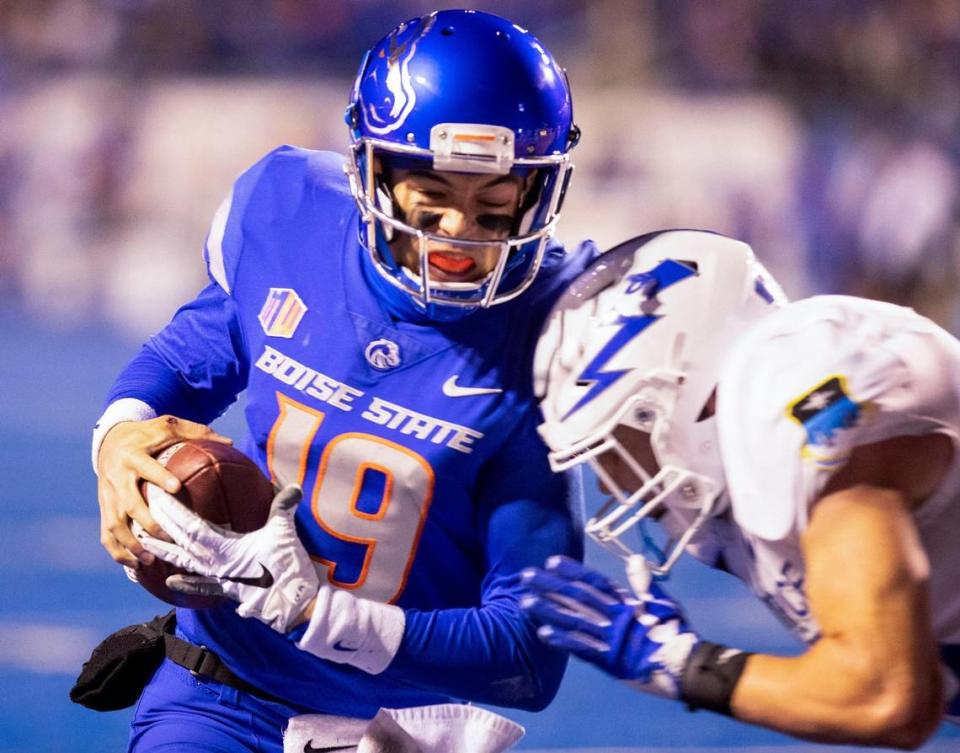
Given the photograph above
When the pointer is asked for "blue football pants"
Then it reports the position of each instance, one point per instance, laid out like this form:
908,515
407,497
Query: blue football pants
178,711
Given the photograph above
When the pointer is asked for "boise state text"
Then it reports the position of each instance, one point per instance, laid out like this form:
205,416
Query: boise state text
425,482
379,411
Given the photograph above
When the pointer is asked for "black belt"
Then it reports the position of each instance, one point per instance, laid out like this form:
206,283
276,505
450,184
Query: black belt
202,662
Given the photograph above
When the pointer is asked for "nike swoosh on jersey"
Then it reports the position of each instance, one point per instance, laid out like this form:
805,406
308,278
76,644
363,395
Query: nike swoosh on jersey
264,580
338,646
452,389
308,748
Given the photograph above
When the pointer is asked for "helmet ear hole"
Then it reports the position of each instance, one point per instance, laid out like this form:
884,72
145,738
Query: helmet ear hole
709,407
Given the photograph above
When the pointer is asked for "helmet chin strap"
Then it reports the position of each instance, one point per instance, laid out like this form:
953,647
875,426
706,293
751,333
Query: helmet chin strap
403,307
388,206
529,203
639,575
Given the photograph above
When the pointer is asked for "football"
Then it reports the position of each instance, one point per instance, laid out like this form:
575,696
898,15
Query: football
220,484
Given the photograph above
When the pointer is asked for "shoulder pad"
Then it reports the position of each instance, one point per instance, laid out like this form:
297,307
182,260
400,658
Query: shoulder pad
271,189
796,395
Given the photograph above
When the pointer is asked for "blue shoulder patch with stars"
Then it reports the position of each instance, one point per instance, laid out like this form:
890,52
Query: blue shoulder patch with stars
825,412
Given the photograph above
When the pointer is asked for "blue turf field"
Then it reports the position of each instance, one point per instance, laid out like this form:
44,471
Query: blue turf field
61,593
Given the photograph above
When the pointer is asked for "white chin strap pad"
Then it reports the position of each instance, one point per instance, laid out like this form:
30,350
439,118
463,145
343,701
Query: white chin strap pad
385,205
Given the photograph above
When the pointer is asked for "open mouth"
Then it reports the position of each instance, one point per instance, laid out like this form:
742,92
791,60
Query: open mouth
452,266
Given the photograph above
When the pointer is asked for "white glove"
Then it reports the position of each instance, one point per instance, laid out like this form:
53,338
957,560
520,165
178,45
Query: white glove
267,571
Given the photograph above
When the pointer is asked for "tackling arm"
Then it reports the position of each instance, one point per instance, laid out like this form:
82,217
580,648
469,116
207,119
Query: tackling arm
873,677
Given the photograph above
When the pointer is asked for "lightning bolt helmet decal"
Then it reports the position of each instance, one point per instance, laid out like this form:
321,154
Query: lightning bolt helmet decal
667,273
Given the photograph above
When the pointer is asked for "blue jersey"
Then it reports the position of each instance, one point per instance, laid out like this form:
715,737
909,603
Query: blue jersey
425,482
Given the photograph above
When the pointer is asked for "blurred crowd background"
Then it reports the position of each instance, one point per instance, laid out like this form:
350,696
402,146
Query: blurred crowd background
824,132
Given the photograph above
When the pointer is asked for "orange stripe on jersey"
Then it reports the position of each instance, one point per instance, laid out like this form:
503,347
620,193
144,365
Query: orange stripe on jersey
287,403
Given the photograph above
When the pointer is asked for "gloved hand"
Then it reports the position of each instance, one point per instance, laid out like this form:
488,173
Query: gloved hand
642,638
267,571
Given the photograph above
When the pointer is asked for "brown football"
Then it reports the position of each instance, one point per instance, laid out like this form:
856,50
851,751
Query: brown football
220,484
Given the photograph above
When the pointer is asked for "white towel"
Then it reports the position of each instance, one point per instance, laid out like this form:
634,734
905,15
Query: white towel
444,728
322,732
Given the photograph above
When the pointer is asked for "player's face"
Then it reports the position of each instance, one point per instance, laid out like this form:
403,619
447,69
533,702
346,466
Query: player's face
637,444
455,205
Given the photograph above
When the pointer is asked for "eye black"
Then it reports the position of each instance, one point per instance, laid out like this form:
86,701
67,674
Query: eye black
425,220
499,223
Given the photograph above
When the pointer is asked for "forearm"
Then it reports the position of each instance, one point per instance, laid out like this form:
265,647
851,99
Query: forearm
487,655
488,652
873,677
152,380
146,388
838,693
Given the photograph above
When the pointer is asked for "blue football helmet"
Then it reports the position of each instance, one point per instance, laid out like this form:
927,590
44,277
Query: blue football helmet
466,92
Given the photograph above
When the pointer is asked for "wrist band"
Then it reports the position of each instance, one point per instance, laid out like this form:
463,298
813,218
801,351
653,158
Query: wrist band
124,409
710,677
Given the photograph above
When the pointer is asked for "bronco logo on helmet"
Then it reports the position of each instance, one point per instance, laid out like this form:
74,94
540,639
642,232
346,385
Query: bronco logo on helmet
398,83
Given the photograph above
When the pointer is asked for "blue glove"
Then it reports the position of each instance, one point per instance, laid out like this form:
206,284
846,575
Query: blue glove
643,639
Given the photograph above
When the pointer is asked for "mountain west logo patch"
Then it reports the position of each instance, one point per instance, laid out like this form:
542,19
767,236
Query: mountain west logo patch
825,412
282,312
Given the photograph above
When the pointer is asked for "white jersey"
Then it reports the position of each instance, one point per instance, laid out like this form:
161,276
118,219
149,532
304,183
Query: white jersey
796,395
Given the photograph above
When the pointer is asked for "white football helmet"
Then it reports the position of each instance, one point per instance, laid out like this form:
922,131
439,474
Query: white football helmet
627,367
